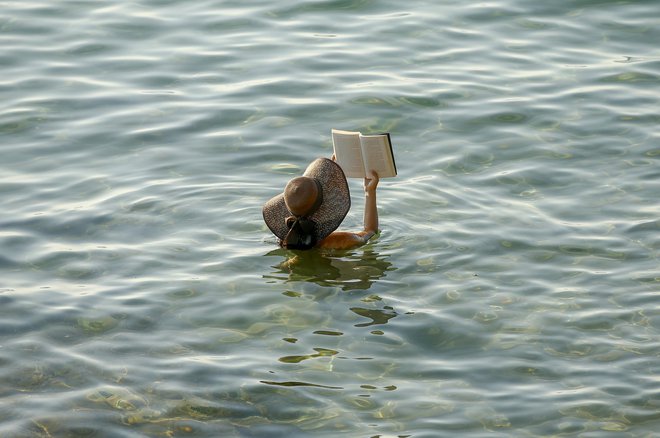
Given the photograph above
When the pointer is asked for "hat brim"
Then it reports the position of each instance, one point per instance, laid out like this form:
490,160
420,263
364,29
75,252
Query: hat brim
331,212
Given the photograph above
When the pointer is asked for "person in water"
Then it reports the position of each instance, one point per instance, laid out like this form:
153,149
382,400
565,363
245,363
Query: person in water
313,206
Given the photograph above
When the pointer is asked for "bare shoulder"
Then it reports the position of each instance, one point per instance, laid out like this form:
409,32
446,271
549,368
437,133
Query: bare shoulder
345,239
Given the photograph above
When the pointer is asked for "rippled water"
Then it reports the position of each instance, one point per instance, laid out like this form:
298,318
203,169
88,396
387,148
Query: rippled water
513,290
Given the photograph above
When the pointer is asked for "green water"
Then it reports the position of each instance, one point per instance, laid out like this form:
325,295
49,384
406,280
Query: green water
513,289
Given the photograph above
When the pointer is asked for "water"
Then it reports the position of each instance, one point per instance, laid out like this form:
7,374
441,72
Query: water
513,290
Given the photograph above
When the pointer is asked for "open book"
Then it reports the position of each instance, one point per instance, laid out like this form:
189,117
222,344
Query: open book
357,154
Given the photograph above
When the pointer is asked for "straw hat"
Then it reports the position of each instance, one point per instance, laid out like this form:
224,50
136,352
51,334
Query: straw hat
320,195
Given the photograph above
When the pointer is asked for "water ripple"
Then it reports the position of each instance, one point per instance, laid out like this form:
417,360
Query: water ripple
512,286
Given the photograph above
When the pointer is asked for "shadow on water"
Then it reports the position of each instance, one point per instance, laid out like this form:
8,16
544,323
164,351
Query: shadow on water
349,270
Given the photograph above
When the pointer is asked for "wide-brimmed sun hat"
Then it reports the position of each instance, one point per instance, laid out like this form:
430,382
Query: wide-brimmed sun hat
334,201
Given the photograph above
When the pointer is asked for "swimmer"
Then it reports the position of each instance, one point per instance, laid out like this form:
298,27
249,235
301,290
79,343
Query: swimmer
313,206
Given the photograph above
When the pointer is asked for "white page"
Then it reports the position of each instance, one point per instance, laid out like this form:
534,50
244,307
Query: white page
377,153
348,152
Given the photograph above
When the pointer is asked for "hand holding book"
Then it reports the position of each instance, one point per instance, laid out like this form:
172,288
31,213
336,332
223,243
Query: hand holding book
371,182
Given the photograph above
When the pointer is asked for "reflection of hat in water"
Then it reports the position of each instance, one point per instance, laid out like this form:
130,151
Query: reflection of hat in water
324,214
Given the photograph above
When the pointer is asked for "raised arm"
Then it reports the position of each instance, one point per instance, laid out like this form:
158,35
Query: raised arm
346,239
370,208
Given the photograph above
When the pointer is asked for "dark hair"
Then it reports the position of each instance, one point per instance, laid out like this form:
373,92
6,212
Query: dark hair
301,235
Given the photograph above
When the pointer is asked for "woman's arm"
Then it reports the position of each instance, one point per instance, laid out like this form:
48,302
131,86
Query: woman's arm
370,208
345,239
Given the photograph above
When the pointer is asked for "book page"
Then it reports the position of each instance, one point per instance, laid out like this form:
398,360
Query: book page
348,153
378,155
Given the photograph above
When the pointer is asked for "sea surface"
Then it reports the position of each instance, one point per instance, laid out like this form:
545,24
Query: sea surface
514,288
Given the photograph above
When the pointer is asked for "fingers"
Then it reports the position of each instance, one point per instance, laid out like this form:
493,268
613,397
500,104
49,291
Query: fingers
372,177
371,182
